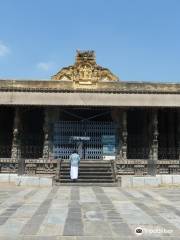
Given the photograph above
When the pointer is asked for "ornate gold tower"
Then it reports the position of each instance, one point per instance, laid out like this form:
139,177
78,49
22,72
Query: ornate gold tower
85,70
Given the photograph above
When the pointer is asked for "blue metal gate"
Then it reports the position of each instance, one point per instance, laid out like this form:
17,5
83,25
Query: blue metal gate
84,136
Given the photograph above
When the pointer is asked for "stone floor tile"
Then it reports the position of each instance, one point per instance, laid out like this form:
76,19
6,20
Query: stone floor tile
97,228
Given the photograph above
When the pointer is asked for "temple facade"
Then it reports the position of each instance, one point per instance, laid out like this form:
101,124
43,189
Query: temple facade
116,126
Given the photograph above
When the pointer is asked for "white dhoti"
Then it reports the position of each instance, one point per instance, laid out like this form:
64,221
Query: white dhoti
74,172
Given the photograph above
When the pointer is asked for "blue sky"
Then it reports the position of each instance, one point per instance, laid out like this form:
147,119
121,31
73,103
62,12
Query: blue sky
139,40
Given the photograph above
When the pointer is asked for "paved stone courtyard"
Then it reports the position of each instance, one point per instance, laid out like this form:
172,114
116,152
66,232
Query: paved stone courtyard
89,213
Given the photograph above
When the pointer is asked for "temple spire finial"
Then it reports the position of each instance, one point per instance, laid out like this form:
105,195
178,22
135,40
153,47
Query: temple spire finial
85,70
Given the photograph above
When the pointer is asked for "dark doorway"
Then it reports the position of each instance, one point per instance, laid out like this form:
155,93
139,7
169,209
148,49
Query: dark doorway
6,131
138,133
32,132
168,134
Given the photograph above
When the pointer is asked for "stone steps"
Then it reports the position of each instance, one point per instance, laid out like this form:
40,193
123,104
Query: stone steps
114,184
85,171
88,180
87,177
90,172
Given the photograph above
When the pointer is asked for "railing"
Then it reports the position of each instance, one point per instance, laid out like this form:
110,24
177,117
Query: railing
40,166
28,166
121,167
135,152
8,165
146,167
5,151
168,166
131,167
47,166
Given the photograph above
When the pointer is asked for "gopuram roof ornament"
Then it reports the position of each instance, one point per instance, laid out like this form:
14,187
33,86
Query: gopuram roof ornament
85,70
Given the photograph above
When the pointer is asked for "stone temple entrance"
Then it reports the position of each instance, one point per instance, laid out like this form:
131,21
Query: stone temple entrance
133,125
90,131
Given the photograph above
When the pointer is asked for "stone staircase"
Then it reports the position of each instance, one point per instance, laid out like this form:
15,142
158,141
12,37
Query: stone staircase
91,172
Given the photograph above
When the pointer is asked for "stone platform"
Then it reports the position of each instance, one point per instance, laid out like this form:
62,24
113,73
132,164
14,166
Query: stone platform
36,181
145,181
124,181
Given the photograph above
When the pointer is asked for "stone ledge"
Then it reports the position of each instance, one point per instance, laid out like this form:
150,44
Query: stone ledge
153,181
26,180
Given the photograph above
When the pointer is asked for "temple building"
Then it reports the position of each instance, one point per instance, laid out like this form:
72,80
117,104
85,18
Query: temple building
117,127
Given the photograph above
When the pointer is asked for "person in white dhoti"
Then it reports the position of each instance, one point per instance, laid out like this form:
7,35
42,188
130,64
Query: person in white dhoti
74,160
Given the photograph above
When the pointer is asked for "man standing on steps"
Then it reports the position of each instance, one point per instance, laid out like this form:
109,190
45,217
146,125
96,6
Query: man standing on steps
74,161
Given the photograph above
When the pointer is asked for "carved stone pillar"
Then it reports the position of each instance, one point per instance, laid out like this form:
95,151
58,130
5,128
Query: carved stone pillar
124,134
153,156
171,136
155,136
46,129
16,142
145,135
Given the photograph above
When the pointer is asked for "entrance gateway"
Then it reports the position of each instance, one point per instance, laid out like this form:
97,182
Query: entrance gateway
87,108
93,138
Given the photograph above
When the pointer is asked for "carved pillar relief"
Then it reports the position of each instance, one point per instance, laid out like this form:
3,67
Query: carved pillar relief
153,156
120,118
155,136
16,142
46,129
50,116
154,133
145,135
124,134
